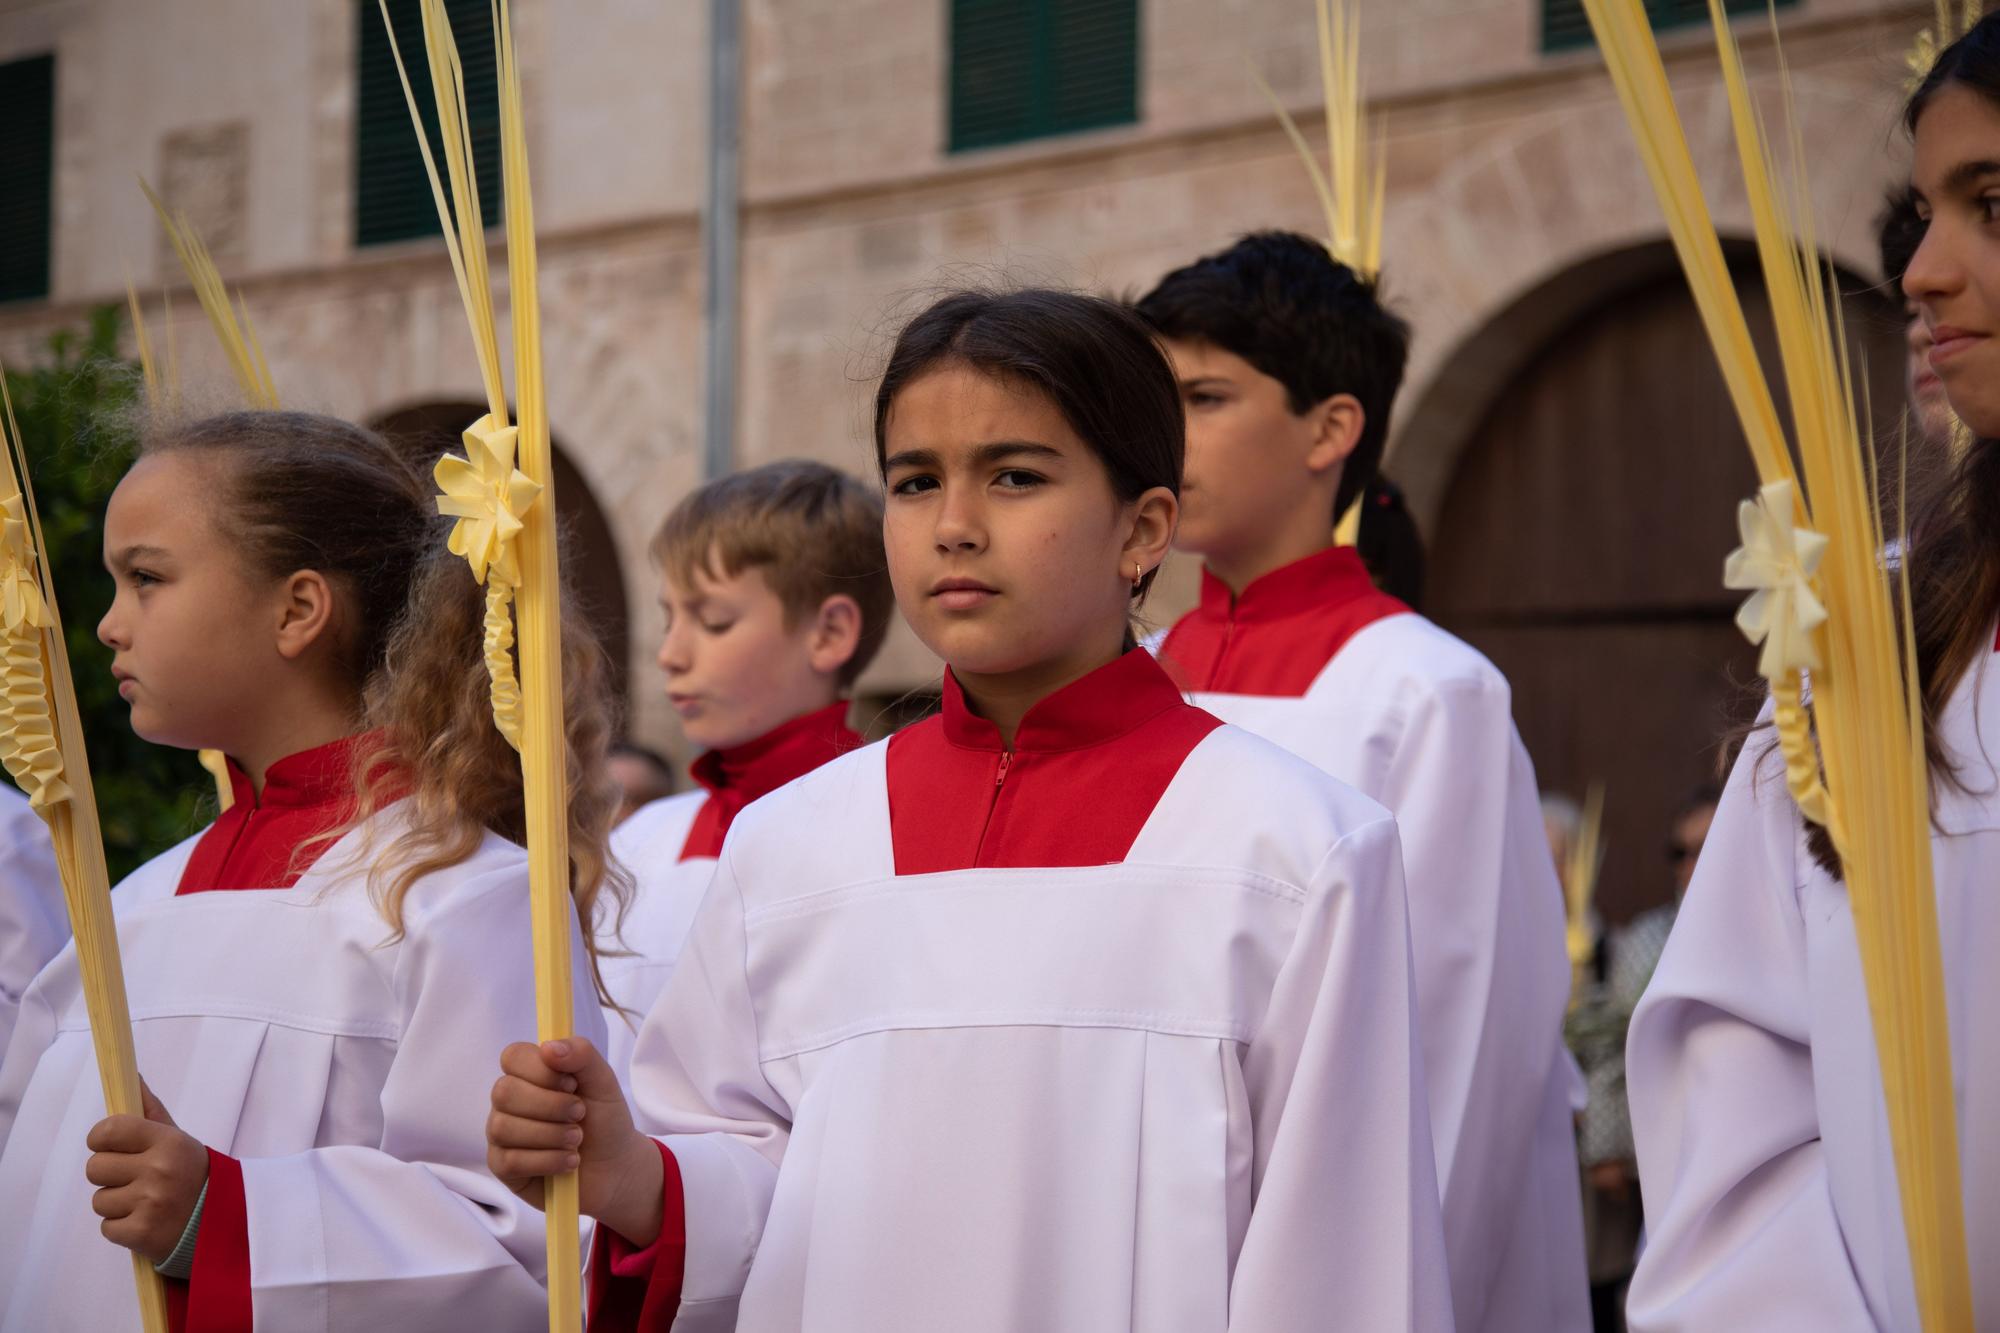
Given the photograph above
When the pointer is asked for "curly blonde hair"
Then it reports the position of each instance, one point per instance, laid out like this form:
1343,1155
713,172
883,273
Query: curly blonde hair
301,491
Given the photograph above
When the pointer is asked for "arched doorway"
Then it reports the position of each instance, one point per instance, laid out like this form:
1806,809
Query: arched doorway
589,554
1579,544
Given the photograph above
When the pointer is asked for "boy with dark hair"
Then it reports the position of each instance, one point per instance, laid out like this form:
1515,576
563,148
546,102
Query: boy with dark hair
1289,365
776,597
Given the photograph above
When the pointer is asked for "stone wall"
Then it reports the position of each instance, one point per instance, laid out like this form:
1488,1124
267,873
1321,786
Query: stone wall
1511,174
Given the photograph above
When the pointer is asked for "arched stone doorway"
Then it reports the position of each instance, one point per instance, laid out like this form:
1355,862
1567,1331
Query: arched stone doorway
1579,540
589,553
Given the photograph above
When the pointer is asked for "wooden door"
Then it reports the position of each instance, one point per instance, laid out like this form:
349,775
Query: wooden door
1580,546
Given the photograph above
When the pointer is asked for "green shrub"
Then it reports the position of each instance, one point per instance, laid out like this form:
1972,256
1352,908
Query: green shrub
77,415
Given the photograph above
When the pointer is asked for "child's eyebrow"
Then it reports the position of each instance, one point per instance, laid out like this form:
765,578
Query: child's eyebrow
1001,450
1967,174
984,455
132,555
911,458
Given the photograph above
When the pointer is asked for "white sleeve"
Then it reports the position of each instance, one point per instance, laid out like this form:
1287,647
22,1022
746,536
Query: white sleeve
34,923
1486,925
1345,1215
1739,1213
699,1087
379,1236
34,1032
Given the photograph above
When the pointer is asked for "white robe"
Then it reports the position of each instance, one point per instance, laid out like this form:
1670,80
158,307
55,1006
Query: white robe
1771,1197
666,892
34,923
1421,722
1177,1093
349,1075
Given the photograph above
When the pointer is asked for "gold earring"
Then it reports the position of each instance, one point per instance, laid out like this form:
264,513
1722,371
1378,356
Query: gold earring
1138,573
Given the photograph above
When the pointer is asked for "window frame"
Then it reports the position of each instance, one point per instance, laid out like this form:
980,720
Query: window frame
392,202
1042,79
1564,27
32,286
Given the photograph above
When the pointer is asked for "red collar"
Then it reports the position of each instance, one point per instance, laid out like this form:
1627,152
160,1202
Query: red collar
1304,587
787,751
1105,704
1278,634
268,840
1108,744
323,775
742,773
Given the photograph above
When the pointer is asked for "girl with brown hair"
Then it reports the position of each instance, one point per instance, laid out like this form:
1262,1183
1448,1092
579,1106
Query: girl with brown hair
1758,1107
1069,1008
318,980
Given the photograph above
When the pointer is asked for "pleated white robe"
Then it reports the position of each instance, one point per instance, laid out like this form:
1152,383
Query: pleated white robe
350,1075
1421,722
1771,1196
34,923
1177,1093
639,956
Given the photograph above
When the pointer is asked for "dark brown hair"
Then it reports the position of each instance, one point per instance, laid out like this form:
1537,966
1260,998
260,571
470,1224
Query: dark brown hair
1093,359
1954,544
301,491
1281,302
812,531
1952,549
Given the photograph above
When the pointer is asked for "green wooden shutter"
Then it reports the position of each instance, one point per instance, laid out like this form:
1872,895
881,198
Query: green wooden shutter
1094,58
1565,26
1026,69
392,195
27,175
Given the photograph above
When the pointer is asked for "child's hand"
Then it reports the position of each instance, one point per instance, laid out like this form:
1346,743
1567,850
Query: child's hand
557,1108
149,1173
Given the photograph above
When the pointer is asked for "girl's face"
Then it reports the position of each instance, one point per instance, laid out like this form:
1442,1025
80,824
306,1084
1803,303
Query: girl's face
194,639
1011,556
736,669
1954,278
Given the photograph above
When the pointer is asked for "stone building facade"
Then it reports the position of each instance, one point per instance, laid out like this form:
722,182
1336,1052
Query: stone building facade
1516,208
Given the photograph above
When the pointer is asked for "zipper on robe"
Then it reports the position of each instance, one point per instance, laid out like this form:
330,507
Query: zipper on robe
1222,653
1005,762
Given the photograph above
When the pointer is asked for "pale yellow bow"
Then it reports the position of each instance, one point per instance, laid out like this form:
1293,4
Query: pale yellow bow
1776,563
489,497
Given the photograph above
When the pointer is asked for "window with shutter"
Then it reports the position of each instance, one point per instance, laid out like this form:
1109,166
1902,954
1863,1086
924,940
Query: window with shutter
1027,69
1565,26
392,194
27,175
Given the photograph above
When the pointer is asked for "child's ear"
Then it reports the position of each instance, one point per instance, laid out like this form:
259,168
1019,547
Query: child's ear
836,634
305,612
1155,515
1340,420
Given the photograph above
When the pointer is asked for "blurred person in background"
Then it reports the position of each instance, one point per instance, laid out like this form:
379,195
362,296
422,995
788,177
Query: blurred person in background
643,776
1898,232
1596,1027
